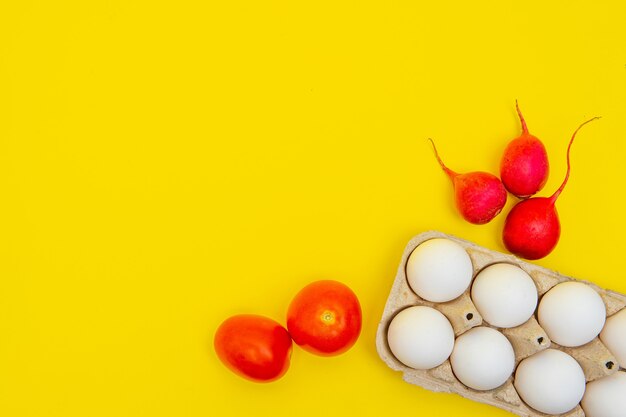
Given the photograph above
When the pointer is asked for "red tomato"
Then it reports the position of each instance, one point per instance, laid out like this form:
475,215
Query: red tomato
325,318
254,347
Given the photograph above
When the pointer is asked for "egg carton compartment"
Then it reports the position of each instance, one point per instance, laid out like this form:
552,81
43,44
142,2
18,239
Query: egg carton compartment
527,339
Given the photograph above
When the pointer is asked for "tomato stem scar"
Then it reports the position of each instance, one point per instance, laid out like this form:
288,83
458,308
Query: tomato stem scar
328,317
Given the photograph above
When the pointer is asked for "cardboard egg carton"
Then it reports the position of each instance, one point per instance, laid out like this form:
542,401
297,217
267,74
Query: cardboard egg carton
527,339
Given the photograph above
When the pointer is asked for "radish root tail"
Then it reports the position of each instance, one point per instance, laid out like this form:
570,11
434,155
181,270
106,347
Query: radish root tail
521,119
558,192
447,170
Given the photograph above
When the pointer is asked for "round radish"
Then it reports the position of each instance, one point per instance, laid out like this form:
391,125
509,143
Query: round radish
532,228
524,166
479,196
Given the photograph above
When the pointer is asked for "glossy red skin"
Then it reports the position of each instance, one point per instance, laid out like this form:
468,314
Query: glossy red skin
532,228
524,167
479,196
306,318
254,347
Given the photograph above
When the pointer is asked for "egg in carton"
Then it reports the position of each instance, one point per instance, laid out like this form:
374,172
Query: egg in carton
526,339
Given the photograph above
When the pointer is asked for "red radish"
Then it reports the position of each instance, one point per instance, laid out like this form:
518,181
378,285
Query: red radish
524,167
532,228
479,196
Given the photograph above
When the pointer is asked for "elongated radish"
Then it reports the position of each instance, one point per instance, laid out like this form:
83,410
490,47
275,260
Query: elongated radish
532,228
524,167
479,196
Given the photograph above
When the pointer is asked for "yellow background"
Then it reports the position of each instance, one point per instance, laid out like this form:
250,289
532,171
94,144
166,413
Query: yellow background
164,165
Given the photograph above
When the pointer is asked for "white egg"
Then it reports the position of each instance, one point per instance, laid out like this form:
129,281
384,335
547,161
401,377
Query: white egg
439,270
606,397
614,336
550,381
505,295
420,337
572,314
482,358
